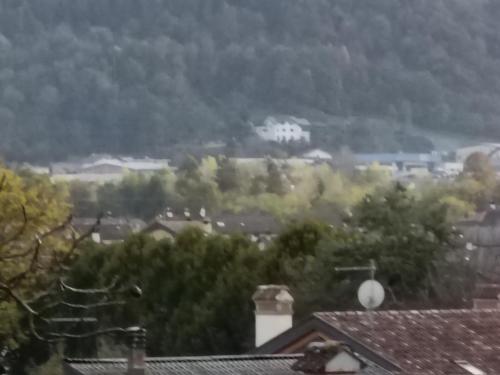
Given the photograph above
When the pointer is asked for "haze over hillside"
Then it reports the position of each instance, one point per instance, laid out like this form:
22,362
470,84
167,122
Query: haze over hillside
135,76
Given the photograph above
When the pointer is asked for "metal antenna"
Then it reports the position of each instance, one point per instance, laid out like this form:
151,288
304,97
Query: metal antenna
372,268
369,290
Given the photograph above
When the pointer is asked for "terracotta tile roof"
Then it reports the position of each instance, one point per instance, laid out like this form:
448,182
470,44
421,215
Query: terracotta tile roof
212,365
426,342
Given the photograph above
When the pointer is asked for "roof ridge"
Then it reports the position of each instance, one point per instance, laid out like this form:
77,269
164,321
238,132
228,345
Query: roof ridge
412,311
230,357
93,360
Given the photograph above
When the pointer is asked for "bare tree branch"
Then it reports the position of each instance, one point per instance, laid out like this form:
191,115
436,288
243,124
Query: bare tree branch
77,241
7,290
14,280
35,249
81,306
31,262
60,336
105,290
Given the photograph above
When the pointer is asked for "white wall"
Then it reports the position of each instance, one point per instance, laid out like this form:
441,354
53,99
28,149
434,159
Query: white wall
268,326
343,363
283,132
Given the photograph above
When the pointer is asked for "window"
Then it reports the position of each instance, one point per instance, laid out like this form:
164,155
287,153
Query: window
469,368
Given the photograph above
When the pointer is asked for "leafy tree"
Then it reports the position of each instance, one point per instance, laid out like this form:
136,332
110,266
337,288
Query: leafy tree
227,175
478,166
35,244
275,182
190,286
87,89
137,195
82,198
411,244
195,191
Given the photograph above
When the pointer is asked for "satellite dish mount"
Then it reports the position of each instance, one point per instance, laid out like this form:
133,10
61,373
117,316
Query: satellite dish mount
371,293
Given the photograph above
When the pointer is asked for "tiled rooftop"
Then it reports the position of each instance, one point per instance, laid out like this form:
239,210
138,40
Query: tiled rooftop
426,342
212,365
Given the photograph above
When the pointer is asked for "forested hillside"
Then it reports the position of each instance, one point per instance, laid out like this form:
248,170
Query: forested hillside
134,76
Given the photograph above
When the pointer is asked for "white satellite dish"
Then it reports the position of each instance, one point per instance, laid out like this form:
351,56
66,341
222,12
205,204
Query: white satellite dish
371,294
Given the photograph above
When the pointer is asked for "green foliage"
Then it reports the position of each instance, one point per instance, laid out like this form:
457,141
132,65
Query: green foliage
30,208
81,81
275,183
52,367
136,195
198,288
411,244
82,195
190,288
478,166
227,175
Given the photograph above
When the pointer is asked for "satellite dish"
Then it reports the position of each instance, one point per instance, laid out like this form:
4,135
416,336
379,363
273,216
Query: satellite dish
371,294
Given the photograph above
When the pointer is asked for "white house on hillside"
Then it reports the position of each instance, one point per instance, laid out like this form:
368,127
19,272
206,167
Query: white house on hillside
284,130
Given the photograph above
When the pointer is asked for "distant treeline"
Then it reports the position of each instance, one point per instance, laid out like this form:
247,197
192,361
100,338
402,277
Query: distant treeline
135,76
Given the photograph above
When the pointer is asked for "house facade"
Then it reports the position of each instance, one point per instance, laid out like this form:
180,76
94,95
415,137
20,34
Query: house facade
283,130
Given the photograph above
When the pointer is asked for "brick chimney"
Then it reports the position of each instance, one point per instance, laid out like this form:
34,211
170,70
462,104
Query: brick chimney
273,312
329,357
136,364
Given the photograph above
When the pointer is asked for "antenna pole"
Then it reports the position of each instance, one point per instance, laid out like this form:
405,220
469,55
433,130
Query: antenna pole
372,268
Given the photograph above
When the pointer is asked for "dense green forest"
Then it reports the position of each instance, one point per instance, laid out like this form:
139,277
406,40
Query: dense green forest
135,76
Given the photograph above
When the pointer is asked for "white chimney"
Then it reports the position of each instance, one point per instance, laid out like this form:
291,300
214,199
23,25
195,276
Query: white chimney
273,312
329,357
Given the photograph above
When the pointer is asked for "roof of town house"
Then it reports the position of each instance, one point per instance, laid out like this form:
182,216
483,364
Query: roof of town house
186,215
398,157
474,219
209,365
483,230
246,223
419,342
317,154
172,227
97,160
132,164
110,228
289,119
491,218
427,341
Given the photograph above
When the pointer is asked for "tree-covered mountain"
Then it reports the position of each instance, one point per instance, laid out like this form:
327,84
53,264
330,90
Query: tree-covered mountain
135,76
